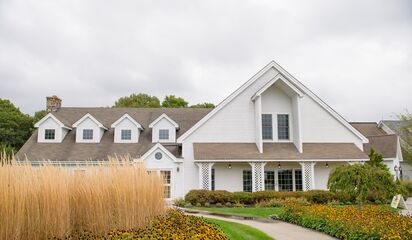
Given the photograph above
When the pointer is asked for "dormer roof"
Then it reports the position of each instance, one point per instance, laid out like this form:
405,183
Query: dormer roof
49,115
164,116
88,115
128,117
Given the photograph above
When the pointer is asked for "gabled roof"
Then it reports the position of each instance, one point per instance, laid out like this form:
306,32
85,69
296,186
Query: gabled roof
88,115
163,149
293,81
273,81
165,117
128,117
49,115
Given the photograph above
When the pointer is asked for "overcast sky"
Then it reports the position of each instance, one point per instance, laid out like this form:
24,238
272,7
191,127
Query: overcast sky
355,55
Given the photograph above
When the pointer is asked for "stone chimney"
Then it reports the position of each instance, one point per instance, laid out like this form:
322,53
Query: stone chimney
53,103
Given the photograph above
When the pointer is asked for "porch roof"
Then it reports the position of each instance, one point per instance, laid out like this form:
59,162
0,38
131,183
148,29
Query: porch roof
277,151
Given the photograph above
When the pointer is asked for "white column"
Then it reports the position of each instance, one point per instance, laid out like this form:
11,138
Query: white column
258,176
308,175
205,175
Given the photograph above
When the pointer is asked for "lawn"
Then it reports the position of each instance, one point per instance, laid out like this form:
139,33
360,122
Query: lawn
248,212
237,231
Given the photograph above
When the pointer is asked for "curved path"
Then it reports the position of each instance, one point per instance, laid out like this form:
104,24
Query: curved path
277,229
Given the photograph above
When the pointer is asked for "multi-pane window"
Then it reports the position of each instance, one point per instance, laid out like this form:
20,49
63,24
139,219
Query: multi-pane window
166,182
126,134
49,134
164,134
298,180
269,180
247,180
285,179
283,126
267,129
213,179
87,134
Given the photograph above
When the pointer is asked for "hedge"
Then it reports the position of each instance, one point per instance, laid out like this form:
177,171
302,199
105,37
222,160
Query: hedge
248,198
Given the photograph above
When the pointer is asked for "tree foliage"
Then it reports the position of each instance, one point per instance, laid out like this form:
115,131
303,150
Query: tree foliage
171,101
406,136
141,100
376,160
39,115
203,105
360,179
15,126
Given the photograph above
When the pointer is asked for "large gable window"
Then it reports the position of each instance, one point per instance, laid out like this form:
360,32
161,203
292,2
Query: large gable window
267,129
247,181
283,126
164,134
49,134
87,134
126,134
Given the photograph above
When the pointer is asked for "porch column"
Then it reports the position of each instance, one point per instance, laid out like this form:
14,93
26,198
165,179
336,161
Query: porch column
258,176
308,175
205,175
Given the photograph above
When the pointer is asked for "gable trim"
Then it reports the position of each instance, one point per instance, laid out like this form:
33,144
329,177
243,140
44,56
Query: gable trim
273,81
128,117
49,115
88,115
163,149
167,118
273,64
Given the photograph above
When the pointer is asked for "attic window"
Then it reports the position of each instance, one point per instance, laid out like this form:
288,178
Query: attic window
164,134
126,134
49,134
87,134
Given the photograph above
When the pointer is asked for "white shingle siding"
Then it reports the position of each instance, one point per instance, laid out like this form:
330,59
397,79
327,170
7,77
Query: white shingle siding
164,124
87,123
50,123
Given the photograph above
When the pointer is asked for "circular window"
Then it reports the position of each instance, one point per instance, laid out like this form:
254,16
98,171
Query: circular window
158,155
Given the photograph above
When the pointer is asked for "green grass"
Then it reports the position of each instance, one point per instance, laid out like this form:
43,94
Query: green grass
237,231
248,212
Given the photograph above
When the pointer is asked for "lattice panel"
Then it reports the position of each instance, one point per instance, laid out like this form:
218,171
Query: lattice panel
307,175
258,176
205,174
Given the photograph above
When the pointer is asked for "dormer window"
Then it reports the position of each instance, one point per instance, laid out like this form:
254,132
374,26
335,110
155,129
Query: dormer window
164,134
87,134
126,134
49,134
283,126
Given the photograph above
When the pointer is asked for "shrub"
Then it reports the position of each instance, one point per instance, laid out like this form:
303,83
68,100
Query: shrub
239,205
228,204
220,196
407,187
198,205
49,201
180,202
207,204
188,205
319,196
244,197
275,202
219,205
197,196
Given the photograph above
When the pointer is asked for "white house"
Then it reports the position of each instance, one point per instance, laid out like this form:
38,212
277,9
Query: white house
272,133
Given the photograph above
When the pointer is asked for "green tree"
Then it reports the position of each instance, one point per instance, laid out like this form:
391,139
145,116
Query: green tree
359,180
203,105
172,101
141,100
15,126
39,115
376,160
406,136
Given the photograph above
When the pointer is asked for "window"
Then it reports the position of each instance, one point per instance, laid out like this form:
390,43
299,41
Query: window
283,127
166,181
126,134
285,180
267,131
247,180
213,179
269,180
87,134
298,180
164,134
49,134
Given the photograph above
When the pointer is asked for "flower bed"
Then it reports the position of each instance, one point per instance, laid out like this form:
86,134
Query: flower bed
174,225
372,222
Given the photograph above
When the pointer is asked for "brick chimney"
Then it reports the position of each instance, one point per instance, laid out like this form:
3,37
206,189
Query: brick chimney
53,103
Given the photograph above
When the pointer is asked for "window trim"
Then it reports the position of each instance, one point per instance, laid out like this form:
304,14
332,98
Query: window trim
168,134
92,135
46,135
271,126
278,126
125,139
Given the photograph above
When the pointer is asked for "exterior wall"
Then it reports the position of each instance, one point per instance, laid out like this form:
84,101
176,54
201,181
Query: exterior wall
166,163
322,173
126,124
163,124
406,171
89,124
59,132
275,101
318,126
230,179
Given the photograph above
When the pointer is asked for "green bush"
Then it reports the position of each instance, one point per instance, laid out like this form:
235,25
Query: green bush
207,204
319,196
244,197
198,205
197,196
219,205
407,187
220,196
188,205
228,204
180,202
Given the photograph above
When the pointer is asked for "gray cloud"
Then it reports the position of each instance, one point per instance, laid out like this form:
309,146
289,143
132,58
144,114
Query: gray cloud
356,55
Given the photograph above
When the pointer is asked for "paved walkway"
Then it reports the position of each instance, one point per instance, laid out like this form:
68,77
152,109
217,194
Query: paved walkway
276,229
409,205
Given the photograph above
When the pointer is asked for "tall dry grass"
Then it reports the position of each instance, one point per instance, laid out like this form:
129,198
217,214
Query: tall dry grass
49,201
